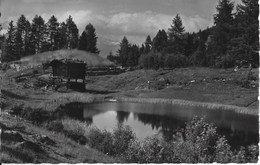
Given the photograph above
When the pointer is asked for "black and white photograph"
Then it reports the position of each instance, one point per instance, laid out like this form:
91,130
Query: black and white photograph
129,81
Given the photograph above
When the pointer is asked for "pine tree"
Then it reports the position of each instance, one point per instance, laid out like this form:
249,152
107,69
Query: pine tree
123,51
62,38
22,36
88,40
148,44
245,43
176,36
133,55
189,44
224,13
38,38
0,17
176,30
222,33
142,49
110,56
160,41
10,54
52,33
71,34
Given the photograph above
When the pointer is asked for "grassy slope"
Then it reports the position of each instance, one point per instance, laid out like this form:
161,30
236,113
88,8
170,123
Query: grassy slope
63,150
211,85
89,58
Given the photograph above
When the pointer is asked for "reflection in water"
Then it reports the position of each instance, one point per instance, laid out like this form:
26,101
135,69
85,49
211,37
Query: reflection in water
167,126
165,119
122,116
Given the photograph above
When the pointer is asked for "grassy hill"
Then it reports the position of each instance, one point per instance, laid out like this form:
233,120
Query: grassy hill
89,58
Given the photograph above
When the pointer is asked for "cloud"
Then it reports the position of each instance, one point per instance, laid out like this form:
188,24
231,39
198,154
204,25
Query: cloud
138,25
112,26
195,23
3,31
80,17
39,1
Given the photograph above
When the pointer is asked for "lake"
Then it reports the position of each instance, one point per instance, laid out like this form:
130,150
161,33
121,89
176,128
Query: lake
165,119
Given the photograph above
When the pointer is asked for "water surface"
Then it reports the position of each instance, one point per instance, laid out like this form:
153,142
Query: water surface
165,119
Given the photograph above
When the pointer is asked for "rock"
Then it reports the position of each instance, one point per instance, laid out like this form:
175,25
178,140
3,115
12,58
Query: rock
44,139
2,126
29,145
10,135
162,79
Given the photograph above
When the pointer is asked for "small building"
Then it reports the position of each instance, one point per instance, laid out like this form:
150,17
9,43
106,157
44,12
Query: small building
70,70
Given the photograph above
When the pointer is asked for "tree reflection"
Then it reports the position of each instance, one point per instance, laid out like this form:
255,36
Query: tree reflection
167,125
89,120
71,110
75,110
122,116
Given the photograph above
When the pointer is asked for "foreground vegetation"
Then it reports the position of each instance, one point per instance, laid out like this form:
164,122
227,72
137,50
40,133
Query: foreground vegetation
24,141
198,142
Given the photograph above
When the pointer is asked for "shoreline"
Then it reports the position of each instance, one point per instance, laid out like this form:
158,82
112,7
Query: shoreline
86,99
180,102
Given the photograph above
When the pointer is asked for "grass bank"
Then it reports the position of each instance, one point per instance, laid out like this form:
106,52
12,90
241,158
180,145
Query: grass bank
25,142
210,106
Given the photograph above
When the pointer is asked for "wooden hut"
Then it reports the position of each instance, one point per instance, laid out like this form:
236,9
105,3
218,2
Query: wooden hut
71,71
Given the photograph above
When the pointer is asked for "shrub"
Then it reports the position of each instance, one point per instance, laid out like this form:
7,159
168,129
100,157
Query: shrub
202,144
175,61
151,60
81,139
223,153
186,153
17,109
115,143
36,115
100,140
122,135
56,126
151,150
75,129
135,152
252,153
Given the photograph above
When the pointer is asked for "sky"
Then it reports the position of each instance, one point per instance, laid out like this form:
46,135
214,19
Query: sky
114,19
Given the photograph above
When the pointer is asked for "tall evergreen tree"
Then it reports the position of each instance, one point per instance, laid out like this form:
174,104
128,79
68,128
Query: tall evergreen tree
160,41
177,29
133,55
22,36
245,43
52,33
10,54
224,13
71,34
88,39
176,36
189,44
62,38
142,49
222,33
148,44
123,51
38,37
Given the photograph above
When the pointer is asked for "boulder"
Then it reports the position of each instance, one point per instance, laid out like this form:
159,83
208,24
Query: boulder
44,139
29,145
14,136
